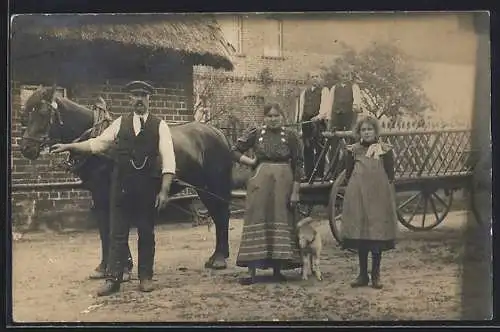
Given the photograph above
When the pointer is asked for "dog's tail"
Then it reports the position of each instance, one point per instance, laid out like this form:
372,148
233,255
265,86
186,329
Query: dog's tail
304,222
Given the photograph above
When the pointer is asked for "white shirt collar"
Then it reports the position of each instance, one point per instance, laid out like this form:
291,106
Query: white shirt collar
144,116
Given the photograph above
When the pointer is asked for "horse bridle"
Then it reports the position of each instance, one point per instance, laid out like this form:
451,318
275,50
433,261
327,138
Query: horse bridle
55,117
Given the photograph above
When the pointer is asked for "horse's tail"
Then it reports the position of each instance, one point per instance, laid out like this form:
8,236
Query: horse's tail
221,134
237,181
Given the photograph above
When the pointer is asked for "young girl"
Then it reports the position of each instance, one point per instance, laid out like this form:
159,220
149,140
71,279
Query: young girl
369,211
268,239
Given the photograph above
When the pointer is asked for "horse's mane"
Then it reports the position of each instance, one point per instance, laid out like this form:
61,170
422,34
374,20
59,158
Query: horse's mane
35,98
66,103
41,93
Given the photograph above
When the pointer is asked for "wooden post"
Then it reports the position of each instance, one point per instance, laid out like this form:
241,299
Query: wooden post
477,301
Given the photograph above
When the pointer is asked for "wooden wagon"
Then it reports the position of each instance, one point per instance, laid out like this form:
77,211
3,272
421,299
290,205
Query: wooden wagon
430,167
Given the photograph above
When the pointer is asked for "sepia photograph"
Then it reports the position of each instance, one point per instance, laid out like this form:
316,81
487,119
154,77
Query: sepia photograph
250,167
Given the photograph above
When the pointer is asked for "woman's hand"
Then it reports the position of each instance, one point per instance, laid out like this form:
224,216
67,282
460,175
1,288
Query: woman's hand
60,147
245,160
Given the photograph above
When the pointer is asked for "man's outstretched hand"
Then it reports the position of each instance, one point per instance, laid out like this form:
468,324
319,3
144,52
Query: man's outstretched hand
59,147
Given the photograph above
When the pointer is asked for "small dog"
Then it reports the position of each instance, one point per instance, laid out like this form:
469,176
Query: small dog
310,245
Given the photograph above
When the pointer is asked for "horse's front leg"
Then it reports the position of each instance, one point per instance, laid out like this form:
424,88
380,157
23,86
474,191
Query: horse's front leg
219,212
101,212
101,215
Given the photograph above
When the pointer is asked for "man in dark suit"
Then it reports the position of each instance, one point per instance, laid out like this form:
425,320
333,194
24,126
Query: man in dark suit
312,108
142,148
345,101
344,104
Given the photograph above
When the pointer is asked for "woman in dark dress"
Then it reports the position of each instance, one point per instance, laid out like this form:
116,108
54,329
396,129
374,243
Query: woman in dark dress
369,222
268,239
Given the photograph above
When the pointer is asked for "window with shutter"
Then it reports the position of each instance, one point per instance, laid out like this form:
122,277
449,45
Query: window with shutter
273,46
232,28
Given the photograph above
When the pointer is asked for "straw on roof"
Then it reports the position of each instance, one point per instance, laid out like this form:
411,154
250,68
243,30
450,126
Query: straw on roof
195,37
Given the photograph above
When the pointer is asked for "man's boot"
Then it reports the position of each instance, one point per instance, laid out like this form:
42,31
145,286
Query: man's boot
362,280
376,257
111,286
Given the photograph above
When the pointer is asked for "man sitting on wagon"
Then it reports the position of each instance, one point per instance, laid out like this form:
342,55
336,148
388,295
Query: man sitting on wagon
345,104
312,111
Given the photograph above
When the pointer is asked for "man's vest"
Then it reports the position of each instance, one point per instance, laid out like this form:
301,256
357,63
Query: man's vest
343,98
312,102
138,154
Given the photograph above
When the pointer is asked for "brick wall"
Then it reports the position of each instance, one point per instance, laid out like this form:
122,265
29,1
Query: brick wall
310,42
244,96
172,101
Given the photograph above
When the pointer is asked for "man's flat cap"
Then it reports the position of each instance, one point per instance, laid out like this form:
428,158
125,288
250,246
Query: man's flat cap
139,86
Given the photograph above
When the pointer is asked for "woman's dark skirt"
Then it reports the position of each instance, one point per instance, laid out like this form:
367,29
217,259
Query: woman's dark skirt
268,239
369,245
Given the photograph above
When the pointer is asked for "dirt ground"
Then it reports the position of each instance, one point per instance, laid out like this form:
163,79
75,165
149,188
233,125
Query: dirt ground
421,278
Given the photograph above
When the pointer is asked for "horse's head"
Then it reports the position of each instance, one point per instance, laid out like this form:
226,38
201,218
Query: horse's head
38,116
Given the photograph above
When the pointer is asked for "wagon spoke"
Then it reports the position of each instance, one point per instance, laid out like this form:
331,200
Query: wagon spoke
415,210
409,200
434,209
439,199
425,211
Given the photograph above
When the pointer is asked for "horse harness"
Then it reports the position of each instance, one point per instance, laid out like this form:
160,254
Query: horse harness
101,117
55,116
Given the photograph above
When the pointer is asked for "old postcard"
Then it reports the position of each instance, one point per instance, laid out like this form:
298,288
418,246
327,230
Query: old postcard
245,167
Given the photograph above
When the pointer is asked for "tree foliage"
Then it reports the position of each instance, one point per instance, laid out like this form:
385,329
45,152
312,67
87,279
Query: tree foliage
390,81
210,103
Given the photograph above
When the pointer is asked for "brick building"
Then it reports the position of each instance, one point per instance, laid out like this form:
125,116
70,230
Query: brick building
96,56
287,46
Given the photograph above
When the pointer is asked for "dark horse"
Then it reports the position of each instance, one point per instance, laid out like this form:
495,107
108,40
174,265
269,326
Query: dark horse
202,152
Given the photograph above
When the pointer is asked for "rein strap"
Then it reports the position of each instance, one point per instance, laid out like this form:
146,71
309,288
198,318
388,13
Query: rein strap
102,120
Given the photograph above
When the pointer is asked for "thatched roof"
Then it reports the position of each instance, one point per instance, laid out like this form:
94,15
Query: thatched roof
130,38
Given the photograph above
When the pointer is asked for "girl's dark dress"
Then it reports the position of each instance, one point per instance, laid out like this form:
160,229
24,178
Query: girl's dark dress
369,212
268,239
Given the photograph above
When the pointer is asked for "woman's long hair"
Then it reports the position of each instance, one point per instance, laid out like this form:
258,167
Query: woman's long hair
366,119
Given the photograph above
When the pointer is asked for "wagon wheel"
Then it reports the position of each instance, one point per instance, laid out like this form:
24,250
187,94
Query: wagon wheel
425,209
335,208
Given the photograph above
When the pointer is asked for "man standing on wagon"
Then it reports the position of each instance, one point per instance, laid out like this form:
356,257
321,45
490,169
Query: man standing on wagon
142,148
345,104
312,107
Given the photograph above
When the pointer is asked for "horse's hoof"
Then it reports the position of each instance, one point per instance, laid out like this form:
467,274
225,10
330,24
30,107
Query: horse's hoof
216,263
219,266
209,263
97,275
126,276
247,281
